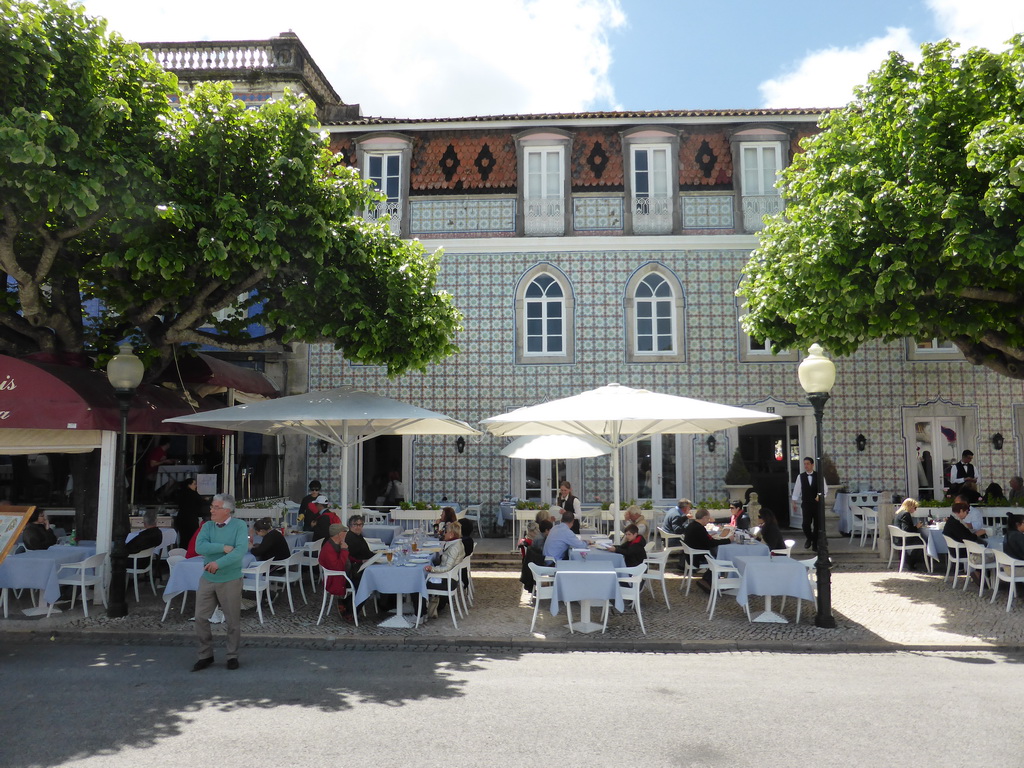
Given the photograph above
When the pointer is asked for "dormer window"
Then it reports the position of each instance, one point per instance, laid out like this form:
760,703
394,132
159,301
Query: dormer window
385,162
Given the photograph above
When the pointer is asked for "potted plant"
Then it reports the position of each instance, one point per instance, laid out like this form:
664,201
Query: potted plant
737,478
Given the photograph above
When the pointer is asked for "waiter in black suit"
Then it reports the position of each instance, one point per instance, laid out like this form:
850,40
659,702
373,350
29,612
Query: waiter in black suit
805,493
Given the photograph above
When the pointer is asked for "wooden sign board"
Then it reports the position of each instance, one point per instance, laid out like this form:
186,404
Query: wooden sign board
12,523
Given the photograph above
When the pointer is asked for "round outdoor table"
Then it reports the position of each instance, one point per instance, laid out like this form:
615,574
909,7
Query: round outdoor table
38,569
400,580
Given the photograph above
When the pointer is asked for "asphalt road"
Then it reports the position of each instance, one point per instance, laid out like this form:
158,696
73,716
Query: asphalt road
112,706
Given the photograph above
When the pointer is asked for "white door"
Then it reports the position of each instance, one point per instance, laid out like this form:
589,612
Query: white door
659,470
538,479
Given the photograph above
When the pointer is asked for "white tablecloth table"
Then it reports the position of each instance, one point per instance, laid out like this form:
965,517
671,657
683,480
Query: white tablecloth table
937,546
770,576
584,581
599,556
726,552
186,574
37,569
400,580
385,533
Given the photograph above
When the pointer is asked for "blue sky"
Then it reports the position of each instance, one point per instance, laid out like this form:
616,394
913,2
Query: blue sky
449,58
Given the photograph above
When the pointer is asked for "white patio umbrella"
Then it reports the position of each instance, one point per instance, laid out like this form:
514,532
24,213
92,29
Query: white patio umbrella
617,416
345,416
555,447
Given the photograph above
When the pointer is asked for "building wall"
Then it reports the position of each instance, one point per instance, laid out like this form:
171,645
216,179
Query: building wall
871,389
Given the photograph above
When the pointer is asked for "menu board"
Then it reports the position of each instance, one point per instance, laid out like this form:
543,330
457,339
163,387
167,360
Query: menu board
12,522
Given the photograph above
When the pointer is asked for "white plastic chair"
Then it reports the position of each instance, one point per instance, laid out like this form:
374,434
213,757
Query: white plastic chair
450,587
256,579
1008,570
657,570
292,573
78,576
466,580
689,569
787,550
957,557
327,602
980,558
311,559
631,582
172,563
135,570
904,541
473,512
543,588
725,578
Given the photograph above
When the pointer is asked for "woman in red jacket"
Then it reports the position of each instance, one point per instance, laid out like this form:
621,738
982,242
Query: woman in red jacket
334,557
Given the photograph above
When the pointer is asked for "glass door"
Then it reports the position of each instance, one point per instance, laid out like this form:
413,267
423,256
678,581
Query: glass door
658,469
540,478
937,446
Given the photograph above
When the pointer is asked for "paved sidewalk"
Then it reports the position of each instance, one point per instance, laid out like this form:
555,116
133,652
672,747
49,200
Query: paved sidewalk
876,610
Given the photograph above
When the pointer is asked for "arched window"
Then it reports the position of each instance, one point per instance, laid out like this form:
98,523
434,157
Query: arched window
545,325
654,316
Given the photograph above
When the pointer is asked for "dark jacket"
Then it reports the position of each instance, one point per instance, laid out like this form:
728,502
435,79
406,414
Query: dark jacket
957,531
191,509
323,524
148,538
38,536
273,547
696,536
358,549
772,536
905,522
633,552
1014,545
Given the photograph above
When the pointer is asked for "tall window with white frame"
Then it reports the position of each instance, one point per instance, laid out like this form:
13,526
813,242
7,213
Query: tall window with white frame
544,317
652,190
384,169
655,320
762,161
544,194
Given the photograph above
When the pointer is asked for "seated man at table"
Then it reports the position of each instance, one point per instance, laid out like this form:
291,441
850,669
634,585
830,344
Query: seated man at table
148,538
561,539
634,516
955,528
676,519
274,546
358,548
696,536
37,533
632,549
334,556
325,519
1016,492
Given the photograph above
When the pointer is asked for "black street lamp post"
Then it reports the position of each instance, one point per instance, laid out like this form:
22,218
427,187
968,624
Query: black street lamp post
124,371
817,375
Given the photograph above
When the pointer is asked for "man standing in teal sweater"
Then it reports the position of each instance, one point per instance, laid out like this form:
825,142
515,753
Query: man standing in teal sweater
222,542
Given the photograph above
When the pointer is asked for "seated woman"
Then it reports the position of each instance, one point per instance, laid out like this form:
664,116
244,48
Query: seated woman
1014,544
334,557
533,552
451,555
632,549
904,520
447,516
633,516
37,533
770,533
737,518
274,546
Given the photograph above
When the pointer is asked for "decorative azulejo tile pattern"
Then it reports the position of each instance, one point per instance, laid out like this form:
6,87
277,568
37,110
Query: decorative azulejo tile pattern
707,211
596,213
872,388
430,217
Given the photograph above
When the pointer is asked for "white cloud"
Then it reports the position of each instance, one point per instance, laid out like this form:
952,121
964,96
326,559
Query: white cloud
409,58
988,23
827,78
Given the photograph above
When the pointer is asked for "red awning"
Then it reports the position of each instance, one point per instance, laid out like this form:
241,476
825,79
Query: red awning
217,375
40,395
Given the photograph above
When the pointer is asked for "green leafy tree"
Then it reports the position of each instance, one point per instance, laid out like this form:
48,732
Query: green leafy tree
171,217
904,216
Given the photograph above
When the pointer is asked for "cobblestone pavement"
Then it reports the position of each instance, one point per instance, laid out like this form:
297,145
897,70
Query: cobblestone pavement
874,610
